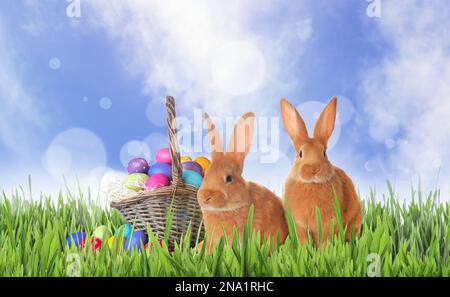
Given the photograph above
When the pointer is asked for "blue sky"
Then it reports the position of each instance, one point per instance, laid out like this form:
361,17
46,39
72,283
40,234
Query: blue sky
80,96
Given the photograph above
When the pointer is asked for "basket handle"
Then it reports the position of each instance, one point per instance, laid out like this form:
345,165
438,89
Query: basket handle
177,171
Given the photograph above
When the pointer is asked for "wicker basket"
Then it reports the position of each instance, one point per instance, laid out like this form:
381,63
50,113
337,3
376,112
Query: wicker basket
150,208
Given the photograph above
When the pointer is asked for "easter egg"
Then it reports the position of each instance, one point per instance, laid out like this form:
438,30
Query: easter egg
151,245
193,166
204,162
163,156
125,230
192,178
75,238
102,233
161,168
156,181
135,181
120,244
185,159
111,241
134,242
96,243
138,165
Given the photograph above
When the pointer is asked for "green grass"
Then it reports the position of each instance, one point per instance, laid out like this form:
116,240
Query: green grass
408,240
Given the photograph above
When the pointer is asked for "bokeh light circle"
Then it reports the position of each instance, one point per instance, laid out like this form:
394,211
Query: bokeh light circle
57,160
75,151
54,63
156,141
105,103
371,165
134,149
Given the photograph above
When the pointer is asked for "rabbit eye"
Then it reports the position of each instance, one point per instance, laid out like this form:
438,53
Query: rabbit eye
325,153
300,154
228,179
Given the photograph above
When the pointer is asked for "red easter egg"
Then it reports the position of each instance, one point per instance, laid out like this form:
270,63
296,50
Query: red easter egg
160,243
156,181
96,244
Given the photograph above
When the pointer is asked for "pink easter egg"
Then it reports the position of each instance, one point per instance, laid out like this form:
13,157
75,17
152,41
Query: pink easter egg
163,156
156,181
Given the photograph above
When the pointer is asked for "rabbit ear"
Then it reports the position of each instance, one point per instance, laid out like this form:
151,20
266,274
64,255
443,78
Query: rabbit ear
214,138
241,139
293,122
325,124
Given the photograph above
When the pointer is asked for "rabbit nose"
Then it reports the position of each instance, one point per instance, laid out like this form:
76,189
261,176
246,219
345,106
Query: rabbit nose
312,169
207,195
316,169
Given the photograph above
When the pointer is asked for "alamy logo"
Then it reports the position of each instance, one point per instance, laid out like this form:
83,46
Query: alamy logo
266,138
373,265
73,265
73,10
374,9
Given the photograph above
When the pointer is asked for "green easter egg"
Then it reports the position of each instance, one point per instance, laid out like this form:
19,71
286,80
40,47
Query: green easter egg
102,233
135,181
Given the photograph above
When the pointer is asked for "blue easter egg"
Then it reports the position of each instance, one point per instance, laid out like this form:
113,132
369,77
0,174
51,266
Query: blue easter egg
192,178
134,241
126,229
75,238
161,168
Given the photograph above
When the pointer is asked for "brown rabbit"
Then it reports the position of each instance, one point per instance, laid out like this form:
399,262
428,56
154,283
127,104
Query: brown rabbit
313,180
225,197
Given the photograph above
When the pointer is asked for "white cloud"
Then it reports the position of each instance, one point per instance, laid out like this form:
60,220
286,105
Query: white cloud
45,16
219,56
20,114
206,53
408,93
37,23
21,120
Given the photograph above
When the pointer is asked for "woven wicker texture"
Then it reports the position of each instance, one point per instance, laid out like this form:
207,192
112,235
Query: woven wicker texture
150,208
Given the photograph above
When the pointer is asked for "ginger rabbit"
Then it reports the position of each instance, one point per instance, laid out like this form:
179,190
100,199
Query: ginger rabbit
313,180
225,197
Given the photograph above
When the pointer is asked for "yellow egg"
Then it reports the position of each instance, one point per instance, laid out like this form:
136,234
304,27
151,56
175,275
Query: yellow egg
110,241
185,159
204,162
120,244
